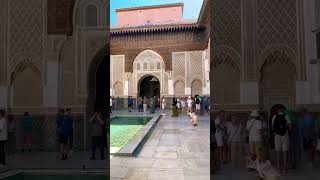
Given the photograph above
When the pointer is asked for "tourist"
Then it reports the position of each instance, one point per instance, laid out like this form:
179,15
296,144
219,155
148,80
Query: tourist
280,127
254,133
145,104
130,103
64,129
294,137
183,106
206,104
219,135
3,137
152,104
202,106
140,104
235,141
11,135
264,167
98,125
309,135
59,120
197,101
163,103
189,102
27,124
70,137
178,104
111,103
159,103
194,118
174,108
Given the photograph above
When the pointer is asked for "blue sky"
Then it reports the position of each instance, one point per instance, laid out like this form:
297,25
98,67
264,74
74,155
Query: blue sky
191,7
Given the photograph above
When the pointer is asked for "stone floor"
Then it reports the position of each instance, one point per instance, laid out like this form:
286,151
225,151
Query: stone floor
51,161
303,172
175,150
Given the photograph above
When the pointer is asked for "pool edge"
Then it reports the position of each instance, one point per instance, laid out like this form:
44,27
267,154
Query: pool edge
133,145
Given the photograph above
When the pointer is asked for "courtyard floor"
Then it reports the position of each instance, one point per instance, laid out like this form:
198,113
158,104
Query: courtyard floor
304,171
175,150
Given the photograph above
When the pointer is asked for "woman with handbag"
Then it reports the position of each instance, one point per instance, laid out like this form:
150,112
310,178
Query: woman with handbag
254,133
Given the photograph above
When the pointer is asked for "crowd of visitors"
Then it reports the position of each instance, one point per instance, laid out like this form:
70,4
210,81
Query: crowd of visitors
269,146
180,105
64,132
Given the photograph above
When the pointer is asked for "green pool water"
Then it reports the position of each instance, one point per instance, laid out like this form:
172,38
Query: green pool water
124,128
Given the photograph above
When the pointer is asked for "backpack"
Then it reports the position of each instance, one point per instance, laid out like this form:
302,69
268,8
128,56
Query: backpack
280,125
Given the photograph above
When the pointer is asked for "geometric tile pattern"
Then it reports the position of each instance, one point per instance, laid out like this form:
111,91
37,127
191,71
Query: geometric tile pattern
227,23
26,31
276,23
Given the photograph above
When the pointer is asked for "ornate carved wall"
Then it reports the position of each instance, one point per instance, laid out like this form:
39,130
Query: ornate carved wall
246,34
26,44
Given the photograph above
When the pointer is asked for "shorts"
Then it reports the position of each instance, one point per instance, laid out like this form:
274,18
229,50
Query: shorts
219,140
197,106
63,139
254,147
281,143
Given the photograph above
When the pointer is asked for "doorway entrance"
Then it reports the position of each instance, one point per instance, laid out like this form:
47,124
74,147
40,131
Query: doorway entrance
149,86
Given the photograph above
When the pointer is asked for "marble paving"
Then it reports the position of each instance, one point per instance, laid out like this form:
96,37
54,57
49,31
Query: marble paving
175,150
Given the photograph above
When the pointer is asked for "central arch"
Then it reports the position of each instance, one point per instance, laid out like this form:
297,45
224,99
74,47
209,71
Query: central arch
149,86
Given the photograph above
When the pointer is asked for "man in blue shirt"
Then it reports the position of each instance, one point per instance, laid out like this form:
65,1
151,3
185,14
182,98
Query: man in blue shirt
130,103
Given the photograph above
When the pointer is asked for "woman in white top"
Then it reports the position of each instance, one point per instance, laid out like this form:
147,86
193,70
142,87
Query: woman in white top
183,105
219,135
189,102
3,137
254,131
163,102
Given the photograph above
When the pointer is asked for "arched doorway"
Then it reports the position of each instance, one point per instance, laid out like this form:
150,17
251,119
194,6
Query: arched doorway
149,86
98,81
26,85
196,87
277,81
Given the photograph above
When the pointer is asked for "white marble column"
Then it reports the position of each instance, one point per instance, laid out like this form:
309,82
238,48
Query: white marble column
170,87
51,87
302,92
188,91
126,88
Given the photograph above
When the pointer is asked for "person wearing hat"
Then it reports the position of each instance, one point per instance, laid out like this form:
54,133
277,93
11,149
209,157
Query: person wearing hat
254,132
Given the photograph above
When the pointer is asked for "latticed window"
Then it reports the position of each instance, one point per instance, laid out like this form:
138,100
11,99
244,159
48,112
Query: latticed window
138,66
145,66
158,65
151,66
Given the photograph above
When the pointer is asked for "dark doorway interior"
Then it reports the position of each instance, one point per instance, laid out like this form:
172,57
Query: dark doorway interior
102,80
149,87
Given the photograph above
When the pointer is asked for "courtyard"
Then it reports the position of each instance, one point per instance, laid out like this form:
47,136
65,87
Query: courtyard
303,172
174,150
